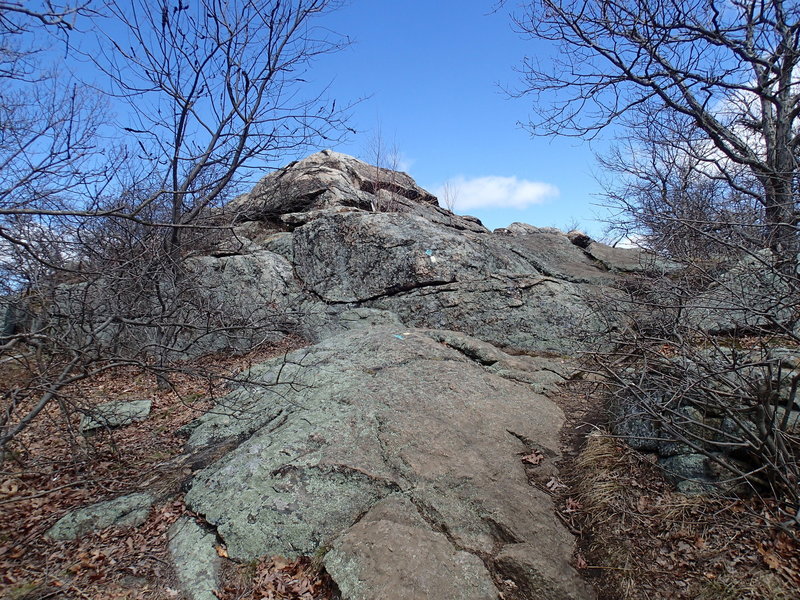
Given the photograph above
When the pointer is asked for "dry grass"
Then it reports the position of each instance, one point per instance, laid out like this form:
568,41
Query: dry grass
639,540
763,585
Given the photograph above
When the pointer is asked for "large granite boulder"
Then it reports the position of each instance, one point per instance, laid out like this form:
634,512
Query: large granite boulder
528,290
328,181
320,239
398,453
752,295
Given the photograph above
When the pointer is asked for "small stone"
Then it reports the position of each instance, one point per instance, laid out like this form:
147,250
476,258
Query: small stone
684,468
116,414
196,561
125,511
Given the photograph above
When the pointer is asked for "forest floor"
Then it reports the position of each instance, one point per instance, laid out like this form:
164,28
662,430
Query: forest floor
636,538
54,470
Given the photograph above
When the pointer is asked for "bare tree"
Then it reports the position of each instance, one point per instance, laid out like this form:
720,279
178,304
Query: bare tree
731,68
449,195
386,158
667,194
107,184
706,94
211,88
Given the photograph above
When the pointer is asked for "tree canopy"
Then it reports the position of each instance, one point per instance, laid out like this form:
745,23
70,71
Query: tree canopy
711,74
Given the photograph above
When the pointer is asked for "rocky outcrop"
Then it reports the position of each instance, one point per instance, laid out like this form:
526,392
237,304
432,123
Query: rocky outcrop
330,234
398,453
328,181
392,445
115,414
327,219
485,285
318,239
124,511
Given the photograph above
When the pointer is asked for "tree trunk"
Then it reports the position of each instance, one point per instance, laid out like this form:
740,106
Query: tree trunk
781,221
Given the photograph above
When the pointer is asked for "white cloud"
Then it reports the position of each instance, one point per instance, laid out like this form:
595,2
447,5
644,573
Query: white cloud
494,192
403,163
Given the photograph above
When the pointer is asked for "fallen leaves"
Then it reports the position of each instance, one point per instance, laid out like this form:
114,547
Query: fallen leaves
278,578
771,559
781,555
53,472
554,484
534,458
9,487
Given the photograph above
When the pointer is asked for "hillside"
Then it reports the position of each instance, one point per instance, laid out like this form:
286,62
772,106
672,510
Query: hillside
390,401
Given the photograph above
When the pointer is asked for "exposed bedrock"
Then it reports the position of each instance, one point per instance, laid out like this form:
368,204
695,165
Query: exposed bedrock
398,445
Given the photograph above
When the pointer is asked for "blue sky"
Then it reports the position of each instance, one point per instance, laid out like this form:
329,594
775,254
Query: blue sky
431,76
432,73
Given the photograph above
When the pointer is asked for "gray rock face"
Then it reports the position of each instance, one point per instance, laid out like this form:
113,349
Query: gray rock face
124,511
352,257
390,444
391,544
329,180
524,313
490,286
196,561
751,295
629,260
552,253
255,295
330,234
115,414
